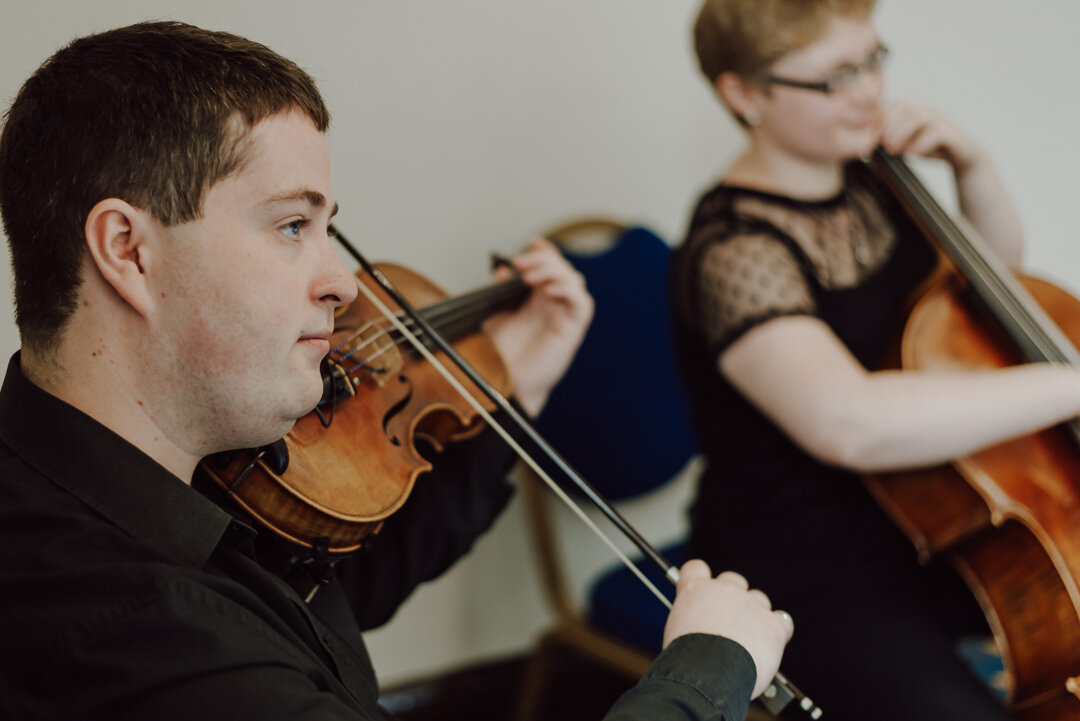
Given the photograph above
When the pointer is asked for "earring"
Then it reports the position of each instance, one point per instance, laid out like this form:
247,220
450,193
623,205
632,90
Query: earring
752,118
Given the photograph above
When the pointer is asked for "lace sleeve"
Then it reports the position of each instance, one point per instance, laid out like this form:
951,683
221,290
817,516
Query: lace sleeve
745,280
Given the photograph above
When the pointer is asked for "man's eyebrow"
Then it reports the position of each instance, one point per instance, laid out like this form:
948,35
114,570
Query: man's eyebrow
312,197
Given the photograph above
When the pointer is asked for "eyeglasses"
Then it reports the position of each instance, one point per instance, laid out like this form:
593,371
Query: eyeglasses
840,79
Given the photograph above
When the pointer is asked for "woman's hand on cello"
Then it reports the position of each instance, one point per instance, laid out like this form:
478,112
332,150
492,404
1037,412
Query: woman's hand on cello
983,198
925,132
725,606
538,340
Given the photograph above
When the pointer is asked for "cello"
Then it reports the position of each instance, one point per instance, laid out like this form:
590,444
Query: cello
1006,517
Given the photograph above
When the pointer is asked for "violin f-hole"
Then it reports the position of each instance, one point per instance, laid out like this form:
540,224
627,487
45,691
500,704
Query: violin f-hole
397,408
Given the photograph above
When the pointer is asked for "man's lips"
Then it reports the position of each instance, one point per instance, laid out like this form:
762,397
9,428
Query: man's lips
319,340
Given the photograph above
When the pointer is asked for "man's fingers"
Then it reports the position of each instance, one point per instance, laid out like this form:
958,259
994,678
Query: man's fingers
694,569
788,621
734,579
761,598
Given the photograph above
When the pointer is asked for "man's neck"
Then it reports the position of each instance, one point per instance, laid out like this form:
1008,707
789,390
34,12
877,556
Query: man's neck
103,386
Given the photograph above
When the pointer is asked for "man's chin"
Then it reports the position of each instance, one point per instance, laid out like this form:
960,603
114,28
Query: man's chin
308,397
310,403
300,410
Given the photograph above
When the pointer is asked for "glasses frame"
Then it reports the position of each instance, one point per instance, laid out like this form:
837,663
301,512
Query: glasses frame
839,79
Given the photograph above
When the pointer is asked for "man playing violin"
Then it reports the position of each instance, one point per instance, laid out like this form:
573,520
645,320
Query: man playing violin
166,194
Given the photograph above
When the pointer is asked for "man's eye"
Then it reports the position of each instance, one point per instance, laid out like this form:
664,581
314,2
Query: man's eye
292,230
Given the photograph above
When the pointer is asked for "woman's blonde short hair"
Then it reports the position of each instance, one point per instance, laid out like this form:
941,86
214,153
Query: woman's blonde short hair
747,36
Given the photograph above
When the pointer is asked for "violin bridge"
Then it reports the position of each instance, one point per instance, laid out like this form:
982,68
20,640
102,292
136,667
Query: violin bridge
369,354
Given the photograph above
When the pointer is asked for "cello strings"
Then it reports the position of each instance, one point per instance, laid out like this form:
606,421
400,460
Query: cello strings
976,262
526,457
1015,307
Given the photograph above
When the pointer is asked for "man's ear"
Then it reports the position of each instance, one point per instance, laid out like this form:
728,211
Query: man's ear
116,236
740,95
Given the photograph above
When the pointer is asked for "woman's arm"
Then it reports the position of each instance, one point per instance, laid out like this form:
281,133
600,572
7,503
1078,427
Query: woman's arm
800,375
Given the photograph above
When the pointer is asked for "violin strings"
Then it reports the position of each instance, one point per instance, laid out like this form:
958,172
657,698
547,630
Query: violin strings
359,364
451,317
510,441
456,316
468,307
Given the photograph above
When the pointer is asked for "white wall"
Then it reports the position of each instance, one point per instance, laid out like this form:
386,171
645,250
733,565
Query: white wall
464,127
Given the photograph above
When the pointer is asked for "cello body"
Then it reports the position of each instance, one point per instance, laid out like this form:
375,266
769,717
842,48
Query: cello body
1007,517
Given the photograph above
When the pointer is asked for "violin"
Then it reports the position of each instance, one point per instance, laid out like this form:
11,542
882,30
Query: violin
386,382
320,488
1008,517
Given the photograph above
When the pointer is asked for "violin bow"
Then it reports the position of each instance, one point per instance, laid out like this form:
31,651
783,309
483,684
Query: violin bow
781,694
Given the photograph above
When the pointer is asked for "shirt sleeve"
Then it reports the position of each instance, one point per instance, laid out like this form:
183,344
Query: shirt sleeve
448,509
743,280
697,676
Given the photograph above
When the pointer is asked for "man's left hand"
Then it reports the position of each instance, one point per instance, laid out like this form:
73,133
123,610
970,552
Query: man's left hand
538,340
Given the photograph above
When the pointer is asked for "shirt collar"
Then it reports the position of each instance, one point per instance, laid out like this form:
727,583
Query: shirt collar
107,473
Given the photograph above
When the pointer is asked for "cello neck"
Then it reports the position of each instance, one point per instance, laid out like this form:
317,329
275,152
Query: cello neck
1036,337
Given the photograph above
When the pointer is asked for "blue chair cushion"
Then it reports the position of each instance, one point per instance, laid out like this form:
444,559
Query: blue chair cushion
984,659
618,415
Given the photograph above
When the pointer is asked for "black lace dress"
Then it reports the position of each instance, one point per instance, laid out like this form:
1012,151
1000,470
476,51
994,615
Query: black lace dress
875,632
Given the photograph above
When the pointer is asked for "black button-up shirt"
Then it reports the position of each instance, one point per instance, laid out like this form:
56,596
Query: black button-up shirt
127,594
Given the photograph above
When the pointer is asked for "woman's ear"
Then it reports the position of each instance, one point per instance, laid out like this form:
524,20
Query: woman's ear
741,95
116,236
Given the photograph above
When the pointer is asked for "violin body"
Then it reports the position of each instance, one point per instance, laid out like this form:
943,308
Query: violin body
343,478
1007,517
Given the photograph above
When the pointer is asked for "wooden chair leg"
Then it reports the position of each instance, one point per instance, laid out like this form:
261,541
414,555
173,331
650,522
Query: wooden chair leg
534,680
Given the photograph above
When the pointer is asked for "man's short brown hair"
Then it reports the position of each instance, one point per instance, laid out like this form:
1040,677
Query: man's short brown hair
747,36
154,114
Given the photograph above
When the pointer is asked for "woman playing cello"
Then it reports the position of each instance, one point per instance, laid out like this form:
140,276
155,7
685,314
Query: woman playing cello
789,285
